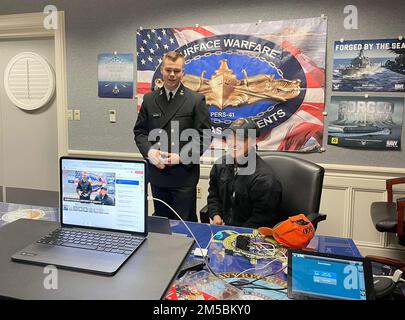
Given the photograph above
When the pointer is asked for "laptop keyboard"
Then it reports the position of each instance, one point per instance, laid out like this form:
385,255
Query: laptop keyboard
113,243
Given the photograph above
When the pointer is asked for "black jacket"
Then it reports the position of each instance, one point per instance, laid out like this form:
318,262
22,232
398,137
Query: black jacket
191,112
244,200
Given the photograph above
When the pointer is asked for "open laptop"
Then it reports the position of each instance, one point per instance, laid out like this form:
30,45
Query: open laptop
103,210
314,275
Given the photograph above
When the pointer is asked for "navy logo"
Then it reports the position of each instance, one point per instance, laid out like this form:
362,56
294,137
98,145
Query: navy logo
243,76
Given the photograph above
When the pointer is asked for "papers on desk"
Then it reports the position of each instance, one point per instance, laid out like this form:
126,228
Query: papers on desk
10,212
203,286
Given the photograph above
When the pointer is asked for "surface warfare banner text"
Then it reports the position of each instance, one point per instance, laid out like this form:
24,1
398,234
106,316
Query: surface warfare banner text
272,72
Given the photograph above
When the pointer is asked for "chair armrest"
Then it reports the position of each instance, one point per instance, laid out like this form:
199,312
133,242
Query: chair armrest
204,216
400,217
387,261
389,183
315,218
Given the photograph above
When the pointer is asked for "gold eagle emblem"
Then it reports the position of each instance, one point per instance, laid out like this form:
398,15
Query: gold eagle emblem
225,90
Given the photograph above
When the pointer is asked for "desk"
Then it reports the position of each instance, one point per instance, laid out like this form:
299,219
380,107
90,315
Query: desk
324,244
11,211
226,265
162,254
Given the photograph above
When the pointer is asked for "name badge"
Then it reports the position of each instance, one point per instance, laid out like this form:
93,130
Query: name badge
156,115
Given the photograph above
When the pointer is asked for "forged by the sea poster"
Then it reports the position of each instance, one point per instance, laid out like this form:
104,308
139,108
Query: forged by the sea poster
366,123
369,65
115,75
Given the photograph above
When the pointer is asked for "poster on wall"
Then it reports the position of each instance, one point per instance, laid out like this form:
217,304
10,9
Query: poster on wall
115,75
271,72
369,65
366,123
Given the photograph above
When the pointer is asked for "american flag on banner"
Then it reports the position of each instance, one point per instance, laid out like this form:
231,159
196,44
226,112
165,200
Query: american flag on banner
152,44
272,72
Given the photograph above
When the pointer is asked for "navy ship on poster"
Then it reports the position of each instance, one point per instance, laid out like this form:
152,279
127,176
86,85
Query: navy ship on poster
360,127
358,130
359,66
398,64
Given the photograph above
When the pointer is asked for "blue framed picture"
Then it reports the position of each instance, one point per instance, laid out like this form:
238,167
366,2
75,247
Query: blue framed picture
115,75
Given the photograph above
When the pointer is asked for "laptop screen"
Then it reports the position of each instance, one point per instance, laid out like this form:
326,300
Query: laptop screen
107,194
324,276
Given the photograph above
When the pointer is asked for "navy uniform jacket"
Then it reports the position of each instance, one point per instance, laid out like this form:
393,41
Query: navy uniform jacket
85,188
191,112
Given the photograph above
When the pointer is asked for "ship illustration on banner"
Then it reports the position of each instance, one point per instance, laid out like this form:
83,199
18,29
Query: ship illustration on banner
225,90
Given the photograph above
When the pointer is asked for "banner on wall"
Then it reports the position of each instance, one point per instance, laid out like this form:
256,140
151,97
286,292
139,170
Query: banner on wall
369,65
272,72
115,75
372,123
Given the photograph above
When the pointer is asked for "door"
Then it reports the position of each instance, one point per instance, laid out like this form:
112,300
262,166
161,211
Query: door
28,139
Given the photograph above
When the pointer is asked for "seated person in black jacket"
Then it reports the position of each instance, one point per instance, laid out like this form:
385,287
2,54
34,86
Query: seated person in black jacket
104,198
241,197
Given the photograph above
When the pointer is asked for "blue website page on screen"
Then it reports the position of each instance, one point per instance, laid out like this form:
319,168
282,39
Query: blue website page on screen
325,277
104,194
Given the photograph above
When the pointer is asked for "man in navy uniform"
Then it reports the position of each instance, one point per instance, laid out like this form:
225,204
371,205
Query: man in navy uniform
170,110
84,188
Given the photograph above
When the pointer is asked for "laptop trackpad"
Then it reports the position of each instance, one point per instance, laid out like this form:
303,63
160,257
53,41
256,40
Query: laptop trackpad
71,258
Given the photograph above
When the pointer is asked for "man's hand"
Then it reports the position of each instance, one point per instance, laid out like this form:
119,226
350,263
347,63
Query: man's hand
217,220
155,157
171,158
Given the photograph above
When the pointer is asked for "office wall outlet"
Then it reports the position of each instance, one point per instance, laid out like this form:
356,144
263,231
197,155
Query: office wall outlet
113,115
76,115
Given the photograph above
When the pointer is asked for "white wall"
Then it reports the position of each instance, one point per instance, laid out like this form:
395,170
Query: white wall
95,26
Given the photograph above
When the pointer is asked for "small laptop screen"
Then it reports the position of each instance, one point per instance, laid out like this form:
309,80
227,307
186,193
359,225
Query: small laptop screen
318,276
103,194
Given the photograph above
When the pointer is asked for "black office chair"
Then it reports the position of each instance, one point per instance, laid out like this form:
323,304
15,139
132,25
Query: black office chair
301,182
388,216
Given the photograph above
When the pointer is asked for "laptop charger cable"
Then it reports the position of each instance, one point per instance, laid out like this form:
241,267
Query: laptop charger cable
201,250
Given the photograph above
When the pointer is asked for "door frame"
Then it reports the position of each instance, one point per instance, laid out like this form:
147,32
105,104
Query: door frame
31,25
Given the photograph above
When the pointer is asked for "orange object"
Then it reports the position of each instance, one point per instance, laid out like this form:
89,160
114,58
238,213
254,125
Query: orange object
295,232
